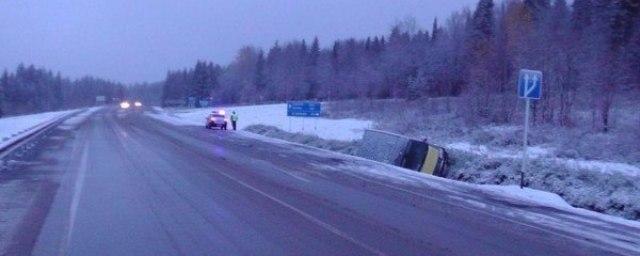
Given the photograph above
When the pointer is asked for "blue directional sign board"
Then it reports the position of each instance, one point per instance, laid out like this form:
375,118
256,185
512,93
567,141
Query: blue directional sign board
304,108
530,84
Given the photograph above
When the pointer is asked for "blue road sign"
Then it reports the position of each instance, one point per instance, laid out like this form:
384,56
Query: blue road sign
304,108
530,84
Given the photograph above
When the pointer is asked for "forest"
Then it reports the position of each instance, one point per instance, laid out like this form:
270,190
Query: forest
588,50
31,90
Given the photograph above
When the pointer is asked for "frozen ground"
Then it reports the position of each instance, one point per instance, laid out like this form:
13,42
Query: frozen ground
586,168
15,127
550,208
403,176
272,115
488,155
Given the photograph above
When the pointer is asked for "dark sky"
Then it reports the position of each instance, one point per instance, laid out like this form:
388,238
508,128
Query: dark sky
139,40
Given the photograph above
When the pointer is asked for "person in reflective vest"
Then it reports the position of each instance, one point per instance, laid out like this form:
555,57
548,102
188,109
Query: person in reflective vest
234,119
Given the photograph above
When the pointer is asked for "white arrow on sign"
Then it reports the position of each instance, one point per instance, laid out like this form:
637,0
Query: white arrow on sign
529,90
526,85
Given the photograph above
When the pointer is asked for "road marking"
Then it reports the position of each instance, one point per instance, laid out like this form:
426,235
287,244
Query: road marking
75,201
307,216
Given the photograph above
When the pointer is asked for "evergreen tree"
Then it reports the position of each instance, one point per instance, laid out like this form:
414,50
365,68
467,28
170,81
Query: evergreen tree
435,30
260,76
367,44
58,95
314,54
537,9
482,23
478,53
335,56
312,69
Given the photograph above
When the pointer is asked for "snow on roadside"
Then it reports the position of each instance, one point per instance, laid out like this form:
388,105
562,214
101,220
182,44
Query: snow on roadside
271,115
568,219
15,127
75,120
606,193
396,175
473,196
400,175
509,193
535,196
540,152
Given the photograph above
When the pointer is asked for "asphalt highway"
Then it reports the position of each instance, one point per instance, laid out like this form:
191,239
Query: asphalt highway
122,183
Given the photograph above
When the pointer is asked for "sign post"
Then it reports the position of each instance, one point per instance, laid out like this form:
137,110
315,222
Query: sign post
529,88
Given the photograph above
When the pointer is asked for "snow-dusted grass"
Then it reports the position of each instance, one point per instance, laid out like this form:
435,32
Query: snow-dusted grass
345,147
587,168
605,230
272,115
584,224
15,127
583,168
587,224
537,152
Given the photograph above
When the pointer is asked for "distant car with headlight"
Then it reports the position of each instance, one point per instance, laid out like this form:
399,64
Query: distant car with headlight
217,118
137,104
125,105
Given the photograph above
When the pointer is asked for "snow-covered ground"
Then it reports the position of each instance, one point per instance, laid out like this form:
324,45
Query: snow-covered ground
15,127
74,121
476,197
537,152
482,155
275,115
271,115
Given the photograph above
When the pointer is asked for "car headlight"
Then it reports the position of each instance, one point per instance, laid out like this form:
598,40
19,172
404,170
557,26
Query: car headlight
125,105
137,104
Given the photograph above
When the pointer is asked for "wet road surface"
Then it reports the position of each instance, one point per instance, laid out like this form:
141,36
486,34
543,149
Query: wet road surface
124,184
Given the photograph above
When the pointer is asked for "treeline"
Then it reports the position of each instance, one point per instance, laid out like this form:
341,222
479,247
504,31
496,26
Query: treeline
589,53
198,83
30,90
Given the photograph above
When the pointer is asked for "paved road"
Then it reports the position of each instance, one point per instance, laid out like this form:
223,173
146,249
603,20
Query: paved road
124,184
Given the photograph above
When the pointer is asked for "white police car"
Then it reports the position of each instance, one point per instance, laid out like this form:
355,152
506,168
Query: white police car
217,118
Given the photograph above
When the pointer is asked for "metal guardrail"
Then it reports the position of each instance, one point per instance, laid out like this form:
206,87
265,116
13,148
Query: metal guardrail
35,132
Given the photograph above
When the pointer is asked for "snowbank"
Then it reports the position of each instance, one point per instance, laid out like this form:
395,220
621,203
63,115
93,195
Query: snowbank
272,115
76,120
16,127
529,195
